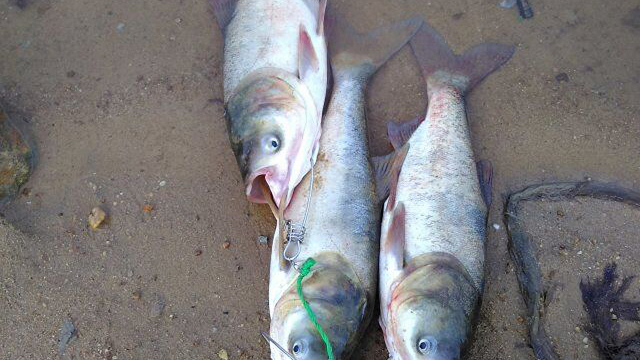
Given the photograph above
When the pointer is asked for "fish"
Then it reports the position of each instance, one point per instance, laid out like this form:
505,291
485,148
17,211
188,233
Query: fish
433,227
343,223
275,83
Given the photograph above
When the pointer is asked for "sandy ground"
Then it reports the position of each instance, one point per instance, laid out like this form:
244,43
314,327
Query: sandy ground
121,101
569,251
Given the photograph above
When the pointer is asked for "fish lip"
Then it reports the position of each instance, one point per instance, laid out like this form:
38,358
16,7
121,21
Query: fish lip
254,189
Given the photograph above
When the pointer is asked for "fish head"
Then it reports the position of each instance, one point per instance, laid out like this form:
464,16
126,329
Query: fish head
428,330
339,303
431,314
299,337
272,137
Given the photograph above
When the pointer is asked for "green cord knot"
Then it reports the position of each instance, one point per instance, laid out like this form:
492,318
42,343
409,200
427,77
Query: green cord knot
304,271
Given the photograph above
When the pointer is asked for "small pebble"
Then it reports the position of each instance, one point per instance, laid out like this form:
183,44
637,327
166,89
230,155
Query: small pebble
578,328
147,207
562,77
96,217
198,252
162,183
120,27
263,239
226,244
585,340
68,332
580,252
157,306
178,20
172,316
136,295
520,319
496,226
222,354
614,317
507,4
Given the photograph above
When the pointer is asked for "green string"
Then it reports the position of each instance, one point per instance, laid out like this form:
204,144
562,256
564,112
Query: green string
304,271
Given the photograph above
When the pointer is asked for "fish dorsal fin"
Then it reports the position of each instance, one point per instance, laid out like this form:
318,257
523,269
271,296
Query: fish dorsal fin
393,246
322,10
400,132
223,11
307,58
386,170
349,48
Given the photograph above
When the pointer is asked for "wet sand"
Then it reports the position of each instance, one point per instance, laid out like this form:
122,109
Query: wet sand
122,103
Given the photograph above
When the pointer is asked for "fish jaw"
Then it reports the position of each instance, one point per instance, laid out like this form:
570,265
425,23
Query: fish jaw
431,310
274,128
267,176
340,303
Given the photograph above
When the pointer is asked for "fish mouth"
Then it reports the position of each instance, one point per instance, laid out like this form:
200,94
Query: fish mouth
263,188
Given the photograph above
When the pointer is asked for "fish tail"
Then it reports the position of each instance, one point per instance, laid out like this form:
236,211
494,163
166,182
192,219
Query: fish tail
441,66
350,49
223,11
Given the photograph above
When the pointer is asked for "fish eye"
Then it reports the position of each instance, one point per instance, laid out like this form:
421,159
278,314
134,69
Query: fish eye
427,345
271,143
299,348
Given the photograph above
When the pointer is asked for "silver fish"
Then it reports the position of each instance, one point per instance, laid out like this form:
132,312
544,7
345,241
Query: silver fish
342,230
275,83
433,228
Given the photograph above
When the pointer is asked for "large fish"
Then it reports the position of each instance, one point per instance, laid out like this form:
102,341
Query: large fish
342,229
433,227
275,82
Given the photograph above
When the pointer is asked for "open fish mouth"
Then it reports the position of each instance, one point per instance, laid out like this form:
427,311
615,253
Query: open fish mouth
263,188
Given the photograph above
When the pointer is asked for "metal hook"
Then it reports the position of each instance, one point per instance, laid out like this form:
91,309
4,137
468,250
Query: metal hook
269,339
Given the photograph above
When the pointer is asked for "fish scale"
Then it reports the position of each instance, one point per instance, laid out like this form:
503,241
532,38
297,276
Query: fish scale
439,187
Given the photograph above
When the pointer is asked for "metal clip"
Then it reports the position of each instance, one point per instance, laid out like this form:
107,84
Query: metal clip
296,231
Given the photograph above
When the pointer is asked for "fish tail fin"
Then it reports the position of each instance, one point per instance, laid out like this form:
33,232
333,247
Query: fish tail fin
223,10
440,66
351,49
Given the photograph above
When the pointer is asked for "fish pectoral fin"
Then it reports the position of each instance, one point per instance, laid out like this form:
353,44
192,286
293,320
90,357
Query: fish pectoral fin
386,170
322,10
485,177
392,248
399,132
223,10
307,58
